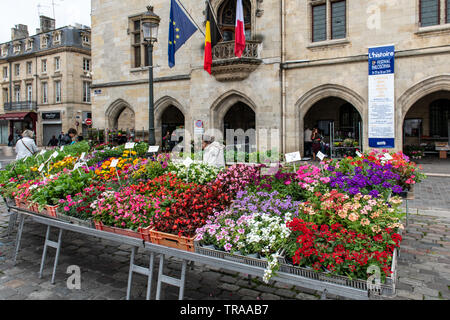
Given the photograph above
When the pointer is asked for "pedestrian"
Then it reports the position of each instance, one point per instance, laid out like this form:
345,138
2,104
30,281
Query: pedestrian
308,141
122,139
53,142
60,137
165,141
213,152
68,138
26,146
80,138
11,140
316,139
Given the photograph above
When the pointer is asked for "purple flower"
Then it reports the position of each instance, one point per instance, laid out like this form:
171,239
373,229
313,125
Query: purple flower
397,189
374,193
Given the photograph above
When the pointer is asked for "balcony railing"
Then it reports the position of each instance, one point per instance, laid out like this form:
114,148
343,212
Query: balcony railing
20,106
225,50
227,67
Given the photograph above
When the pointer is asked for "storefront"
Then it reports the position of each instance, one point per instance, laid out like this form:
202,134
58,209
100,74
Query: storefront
51,126
18,122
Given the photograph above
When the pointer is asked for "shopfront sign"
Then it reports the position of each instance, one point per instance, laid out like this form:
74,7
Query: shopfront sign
381,97
51,115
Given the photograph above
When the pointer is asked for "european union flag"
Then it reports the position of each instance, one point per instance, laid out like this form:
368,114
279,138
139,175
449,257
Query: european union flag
180,30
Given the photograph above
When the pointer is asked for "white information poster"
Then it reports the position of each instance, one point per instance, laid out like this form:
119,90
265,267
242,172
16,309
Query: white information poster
381,97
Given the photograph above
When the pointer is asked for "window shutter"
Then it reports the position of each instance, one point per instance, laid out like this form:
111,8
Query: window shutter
319,23
429,12
338,20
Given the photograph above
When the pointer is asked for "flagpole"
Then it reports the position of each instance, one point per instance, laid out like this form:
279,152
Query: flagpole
215,18
192,19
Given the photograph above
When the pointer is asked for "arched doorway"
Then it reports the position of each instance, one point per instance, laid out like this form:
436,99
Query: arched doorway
242,119
171,119
426,125
340,125
120,116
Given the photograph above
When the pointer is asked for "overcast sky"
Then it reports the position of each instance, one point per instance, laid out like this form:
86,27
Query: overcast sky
67,12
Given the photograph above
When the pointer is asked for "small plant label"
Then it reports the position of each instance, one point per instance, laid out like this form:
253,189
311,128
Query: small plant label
359,154
41,167
55,154
320,155
62,148
76,166
387,157
129,145
82,156
153,149
114,163
292,157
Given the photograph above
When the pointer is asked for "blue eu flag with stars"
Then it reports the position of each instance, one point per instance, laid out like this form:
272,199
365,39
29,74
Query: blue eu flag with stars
180,30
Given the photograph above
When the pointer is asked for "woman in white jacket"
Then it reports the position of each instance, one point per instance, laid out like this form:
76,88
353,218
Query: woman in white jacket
213,153
26,147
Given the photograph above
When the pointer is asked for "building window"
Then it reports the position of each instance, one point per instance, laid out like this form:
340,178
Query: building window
85,38
56,37
429,12
44,41
5,95
5,72
57,64
29,92
4,51
17,93
439,116
29,45
329,20
86,91
57,91
44,66
319,23
86,64
29,67
17,48
17,69
44,92
226,16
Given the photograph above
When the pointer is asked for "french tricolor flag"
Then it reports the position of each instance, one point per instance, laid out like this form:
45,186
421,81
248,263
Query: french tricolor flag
239,39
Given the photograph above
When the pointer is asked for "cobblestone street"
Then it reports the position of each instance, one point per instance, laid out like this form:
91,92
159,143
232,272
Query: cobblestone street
423,265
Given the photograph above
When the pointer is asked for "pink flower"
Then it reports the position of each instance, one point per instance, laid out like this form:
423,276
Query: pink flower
66,208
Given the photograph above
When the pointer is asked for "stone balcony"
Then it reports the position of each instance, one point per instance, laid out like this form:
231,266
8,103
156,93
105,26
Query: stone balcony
227,67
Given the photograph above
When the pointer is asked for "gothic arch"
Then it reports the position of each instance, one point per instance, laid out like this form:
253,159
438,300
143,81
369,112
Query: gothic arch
222,104
304,104
420,90
253,3
160,107
114,110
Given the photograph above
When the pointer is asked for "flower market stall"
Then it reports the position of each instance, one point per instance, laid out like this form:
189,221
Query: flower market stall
332,227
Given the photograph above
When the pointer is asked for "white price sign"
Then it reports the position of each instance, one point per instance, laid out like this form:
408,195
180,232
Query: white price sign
129,145
76,166
42,152
82,156
153,149
114,163
387,157
359,154
292,157
320,155
55,154
41,167
62,148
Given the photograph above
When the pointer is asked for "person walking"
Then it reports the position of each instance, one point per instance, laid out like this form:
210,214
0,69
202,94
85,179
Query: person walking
316,139
68,138
26,147
11,140
213,152
53,142
308,141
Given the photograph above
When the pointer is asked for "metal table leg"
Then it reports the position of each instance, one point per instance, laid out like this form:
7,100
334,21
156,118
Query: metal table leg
18,237
12,221
141,270
170,280
52,244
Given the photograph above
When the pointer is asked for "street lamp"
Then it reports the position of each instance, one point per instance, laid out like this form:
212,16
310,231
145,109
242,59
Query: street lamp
150,23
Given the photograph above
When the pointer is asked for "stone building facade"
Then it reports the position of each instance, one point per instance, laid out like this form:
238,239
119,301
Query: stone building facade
305,64
46,78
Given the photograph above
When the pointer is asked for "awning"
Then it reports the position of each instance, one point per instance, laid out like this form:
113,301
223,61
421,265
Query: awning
16,115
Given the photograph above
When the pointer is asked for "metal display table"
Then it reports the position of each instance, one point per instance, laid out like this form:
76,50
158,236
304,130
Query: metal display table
163,252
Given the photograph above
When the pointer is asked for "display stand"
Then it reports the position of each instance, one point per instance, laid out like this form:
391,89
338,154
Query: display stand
358,292
51,244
